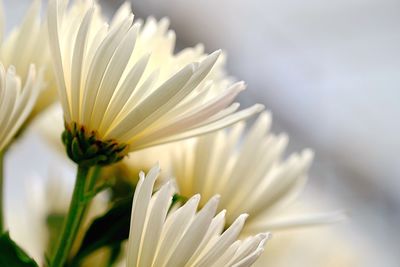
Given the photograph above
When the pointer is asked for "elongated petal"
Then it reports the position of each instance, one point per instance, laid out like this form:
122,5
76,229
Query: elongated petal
16,103
53,26
153,106
187,237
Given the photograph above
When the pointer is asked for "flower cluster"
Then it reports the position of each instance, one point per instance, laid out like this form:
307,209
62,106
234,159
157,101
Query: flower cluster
127,101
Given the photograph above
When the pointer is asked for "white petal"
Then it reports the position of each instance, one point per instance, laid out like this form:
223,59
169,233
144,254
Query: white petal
53,26
155,223
139,212
226,240
193,235
153,106
229,120
77,62
98,67
174,228
113,74
124,92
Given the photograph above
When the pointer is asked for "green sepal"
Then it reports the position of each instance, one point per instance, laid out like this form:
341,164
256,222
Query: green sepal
93,161
92,150
86,149
76,150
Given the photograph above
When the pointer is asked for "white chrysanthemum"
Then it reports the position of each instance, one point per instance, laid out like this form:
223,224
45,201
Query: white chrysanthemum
110,98
156,38
28,44
16,101
184,237
247,171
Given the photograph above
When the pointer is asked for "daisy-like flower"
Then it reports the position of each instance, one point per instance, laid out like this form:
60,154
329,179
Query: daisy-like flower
184,237
28,44
247,171
111,106
16,101
156,38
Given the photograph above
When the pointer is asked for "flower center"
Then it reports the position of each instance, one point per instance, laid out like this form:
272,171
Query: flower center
86,149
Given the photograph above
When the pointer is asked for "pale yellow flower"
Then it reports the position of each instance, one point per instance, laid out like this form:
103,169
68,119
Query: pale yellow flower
157,39
107,98
247,171
27,44
16,101
186,236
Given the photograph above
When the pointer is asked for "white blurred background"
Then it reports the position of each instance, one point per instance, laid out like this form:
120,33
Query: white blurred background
330,73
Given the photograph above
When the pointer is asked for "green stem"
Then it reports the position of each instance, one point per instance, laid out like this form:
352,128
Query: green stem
74,218
94,176
1,191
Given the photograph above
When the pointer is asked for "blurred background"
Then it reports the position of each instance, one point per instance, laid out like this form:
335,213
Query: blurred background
330,73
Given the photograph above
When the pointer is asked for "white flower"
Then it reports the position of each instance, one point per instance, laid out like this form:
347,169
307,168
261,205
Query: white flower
16,101
110,98
247,171
28,44
184,237
157,39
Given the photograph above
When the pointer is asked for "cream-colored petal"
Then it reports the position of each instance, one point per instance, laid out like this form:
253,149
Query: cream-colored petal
186,237
16,103
154,226
139,213
223,243
77,63
225,122
113,75
98,68
174,228
124,92
153,106
194,234
53,26
197,115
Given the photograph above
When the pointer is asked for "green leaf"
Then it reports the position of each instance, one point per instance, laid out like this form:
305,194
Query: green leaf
108,230
11,255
